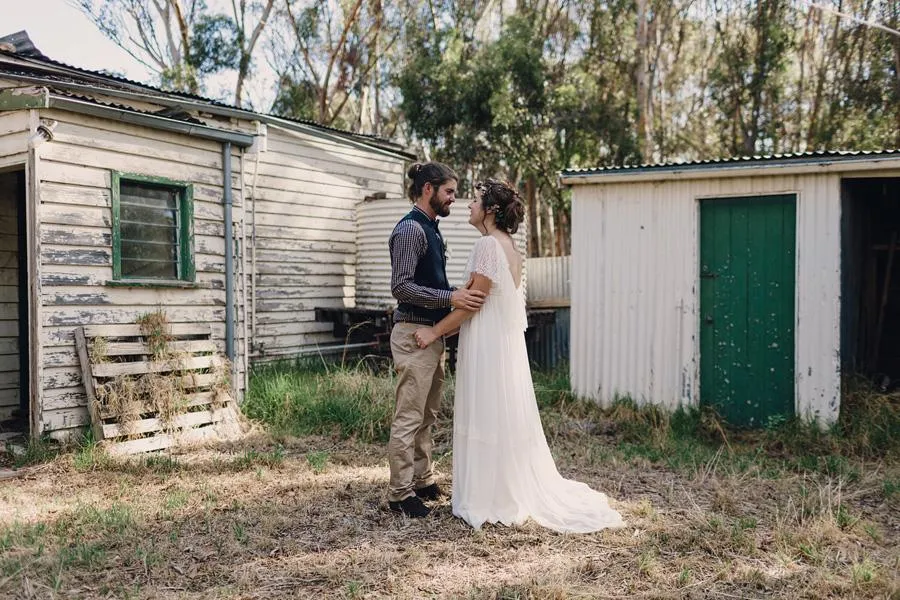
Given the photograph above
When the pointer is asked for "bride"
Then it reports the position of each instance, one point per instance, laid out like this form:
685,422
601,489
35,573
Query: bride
503,471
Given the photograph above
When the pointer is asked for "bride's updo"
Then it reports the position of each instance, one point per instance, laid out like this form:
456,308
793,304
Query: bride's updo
505,200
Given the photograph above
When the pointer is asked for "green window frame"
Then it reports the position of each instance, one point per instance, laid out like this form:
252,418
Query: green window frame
130,243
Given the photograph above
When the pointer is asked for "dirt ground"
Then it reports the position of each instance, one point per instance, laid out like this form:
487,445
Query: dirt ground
307,518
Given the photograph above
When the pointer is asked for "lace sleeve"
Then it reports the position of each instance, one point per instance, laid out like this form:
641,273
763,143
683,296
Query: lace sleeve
487,259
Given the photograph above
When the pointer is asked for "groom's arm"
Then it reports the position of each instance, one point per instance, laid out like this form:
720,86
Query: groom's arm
407,245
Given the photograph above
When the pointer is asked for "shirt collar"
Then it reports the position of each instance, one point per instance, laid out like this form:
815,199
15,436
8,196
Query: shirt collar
427,216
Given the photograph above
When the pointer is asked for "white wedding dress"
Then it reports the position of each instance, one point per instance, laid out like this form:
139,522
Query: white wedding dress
502,467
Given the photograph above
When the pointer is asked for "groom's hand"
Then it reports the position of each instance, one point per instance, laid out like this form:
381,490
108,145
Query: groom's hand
467,299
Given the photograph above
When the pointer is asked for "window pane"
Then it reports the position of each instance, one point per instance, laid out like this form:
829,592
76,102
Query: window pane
146,195
140,269
150,216
136,232
149,230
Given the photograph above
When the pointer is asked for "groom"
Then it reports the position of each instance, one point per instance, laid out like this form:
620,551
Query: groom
419,283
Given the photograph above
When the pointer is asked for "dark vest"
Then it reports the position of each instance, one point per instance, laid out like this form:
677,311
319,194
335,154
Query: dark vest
431,271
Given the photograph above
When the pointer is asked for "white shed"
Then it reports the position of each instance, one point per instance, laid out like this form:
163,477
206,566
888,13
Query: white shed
747,284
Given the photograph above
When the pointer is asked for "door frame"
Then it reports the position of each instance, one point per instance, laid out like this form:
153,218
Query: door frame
755,193
27,163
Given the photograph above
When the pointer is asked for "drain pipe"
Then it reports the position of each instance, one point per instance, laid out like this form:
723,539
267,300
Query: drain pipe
229,253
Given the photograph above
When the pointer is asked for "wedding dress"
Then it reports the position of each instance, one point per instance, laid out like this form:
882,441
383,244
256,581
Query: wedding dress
503,471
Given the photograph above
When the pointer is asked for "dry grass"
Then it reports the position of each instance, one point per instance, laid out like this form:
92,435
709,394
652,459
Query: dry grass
306,517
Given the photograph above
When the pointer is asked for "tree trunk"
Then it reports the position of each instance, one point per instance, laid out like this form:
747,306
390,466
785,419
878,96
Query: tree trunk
643,86
534,238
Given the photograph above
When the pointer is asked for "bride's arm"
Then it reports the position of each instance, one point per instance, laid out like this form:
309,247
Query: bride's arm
451,323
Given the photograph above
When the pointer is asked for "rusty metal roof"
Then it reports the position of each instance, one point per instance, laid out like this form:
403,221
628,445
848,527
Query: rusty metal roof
19,45
797,158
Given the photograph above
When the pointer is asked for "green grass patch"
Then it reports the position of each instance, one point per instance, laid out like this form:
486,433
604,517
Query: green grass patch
302,398
313,397
36,451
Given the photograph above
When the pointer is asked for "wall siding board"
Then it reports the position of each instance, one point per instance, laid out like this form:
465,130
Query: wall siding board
303,220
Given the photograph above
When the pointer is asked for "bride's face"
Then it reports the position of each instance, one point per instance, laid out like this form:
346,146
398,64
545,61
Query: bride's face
476,211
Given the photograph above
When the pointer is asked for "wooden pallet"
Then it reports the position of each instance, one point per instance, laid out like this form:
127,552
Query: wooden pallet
208,413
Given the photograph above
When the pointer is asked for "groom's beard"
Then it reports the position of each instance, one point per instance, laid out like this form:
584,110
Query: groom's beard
438,207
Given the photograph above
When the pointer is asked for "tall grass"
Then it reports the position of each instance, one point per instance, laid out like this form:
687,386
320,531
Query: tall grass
309,397
312,397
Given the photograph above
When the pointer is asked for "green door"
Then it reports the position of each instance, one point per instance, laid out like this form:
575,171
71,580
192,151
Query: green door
747,307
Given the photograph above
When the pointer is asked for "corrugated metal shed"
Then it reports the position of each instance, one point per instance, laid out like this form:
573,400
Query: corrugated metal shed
635,273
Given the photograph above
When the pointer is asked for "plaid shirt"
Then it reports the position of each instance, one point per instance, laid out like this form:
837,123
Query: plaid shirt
408,245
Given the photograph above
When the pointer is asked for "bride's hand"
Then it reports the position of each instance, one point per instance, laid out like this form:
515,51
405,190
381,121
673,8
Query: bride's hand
425,336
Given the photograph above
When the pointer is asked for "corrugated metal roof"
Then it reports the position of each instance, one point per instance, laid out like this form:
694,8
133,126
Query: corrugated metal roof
773,159
24,49
168,112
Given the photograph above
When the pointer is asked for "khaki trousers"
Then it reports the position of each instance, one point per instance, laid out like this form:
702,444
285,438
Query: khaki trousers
420,377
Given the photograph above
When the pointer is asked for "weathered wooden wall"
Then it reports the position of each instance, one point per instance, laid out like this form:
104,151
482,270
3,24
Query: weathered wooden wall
304,196
76,245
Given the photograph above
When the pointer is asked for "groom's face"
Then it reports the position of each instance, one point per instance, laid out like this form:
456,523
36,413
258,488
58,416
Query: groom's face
444,195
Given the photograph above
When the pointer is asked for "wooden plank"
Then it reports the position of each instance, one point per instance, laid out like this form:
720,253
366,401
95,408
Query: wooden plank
14,143
284,218
142,426
13,122
103,159
270,226
114,141
292,156
56,193
89,316
56,336
61,398
149,297
273,201
68,215
66,418
10,397
61,172
344,176
265,255
139,348
134,330
161,442
146,367
76,256
312,268
72,236
87,378
300,144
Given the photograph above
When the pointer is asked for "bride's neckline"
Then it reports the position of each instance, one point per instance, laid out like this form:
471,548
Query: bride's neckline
506,260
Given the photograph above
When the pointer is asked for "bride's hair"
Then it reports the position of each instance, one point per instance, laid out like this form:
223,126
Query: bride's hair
510,210
435,173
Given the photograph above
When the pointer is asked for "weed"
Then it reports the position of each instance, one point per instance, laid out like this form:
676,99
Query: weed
37,451
863,572
317,460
